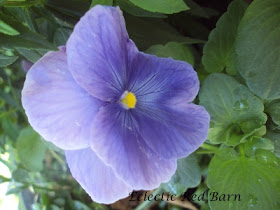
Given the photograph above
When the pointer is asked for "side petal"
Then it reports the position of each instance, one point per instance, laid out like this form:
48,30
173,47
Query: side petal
99,52
162,80
118,143
56,107
174,131
97,179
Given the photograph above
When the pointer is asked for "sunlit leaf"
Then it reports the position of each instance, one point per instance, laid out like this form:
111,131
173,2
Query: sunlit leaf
238,182
31,149
6,29
162,6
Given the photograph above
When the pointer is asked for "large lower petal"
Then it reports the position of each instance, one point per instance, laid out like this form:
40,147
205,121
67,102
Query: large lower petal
117,142
56,107
162,80
99,52
97,179
173,131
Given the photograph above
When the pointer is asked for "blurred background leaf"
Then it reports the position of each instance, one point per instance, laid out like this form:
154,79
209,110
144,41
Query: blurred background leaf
162,6
31,149
233,174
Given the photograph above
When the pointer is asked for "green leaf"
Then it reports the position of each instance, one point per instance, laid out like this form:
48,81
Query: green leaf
146,32
54,16
7,60
31,149
187,175
256,180
256,143
16,188
273,109
47,28
201,73
10,127
197,10
20,175
61,36
258,48
45,199
275,137
52,207
101,2
72,8
258,132
4,179
59,202
137,11
8,99
78,205
26,15
175,50
201,191
1,1
31,55
162,6
218,51
26,39
6,29
235,111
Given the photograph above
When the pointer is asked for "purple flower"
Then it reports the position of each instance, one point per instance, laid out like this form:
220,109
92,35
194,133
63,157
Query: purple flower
124,117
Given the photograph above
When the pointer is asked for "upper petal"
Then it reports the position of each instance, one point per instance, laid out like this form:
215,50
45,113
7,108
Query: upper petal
99,52
117,142
173,131
162,80
97,179
56,106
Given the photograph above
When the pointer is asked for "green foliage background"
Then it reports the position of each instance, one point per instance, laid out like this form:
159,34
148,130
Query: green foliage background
235,48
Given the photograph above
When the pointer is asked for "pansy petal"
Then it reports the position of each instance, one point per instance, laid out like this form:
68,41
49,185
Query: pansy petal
97,179
173,132
162,80
56,107
99,52
117,141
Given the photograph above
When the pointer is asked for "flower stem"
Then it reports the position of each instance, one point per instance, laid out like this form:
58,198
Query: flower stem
202,152
210,147
241,149
38,187
56,156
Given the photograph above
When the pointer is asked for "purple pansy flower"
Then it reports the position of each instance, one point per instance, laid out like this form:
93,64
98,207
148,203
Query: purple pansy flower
124,117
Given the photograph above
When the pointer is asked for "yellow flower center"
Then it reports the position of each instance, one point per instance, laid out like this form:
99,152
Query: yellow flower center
128,99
